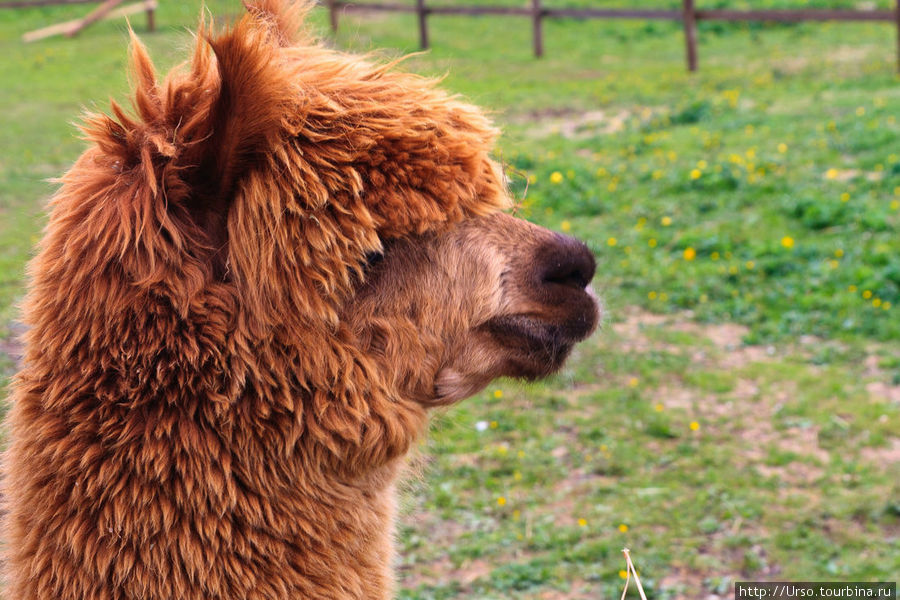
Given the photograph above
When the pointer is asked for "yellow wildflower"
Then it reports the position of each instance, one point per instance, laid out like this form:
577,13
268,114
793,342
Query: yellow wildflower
787,241
690,254
501,501
556,177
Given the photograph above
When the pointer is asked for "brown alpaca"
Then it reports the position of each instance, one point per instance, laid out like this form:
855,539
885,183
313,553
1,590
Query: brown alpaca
247,297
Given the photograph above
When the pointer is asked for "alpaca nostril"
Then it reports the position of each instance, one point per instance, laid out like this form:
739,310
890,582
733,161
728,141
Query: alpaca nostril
570,264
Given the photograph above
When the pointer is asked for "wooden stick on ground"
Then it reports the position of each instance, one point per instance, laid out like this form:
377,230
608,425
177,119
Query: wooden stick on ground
631,571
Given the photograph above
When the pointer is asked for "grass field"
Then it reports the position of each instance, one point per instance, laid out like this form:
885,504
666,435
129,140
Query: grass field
738,417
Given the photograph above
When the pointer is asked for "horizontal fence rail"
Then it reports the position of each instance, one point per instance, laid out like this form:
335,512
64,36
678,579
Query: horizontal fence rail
689,15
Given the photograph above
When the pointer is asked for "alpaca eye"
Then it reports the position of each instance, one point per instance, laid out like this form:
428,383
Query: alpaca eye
372,259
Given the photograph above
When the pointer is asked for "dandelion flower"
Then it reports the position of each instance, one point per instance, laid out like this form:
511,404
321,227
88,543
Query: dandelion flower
633,382
658,407
696,174
652,242
623,528
666,221
867,294
501,501
694,425
895,204
782,147
845,197
750,265
860,111
886,306
690,254
831,174
612,241
876,302
787,241
556,177
651,295
565,226
623,574
498,394
582,522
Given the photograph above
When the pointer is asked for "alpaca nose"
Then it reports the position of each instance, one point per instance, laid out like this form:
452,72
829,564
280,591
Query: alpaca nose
570,263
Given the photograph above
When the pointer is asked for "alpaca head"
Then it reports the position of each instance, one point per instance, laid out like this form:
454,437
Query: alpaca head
324,194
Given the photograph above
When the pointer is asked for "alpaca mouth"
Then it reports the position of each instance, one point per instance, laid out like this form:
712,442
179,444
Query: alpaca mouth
537,346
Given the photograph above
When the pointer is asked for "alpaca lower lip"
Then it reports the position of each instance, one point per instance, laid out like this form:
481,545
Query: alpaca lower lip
536,335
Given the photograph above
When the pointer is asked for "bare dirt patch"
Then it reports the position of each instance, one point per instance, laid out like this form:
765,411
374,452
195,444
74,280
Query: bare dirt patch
724,345
11,347
574,126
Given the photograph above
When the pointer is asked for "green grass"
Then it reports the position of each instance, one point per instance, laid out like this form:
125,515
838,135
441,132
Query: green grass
738,414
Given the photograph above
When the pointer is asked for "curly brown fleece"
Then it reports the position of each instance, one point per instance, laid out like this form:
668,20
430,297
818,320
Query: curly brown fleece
193,420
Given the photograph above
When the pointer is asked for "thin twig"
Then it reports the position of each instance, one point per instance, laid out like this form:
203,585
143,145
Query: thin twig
631,571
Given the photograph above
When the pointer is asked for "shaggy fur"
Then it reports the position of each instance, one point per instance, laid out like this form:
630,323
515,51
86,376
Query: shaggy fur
240,313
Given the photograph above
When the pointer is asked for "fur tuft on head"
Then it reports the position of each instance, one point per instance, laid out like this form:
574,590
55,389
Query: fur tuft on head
268,155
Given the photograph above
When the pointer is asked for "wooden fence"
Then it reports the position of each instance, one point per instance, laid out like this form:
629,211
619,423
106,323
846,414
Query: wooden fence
689,15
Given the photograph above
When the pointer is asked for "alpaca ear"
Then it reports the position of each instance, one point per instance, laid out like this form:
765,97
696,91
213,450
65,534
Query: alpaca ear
251,97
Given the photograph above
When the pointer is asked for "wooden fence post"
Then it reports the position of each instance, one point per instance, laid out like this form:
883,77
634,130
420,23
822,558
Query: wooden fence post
151,17
537,27
333,15
897,20
690,33
423,24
